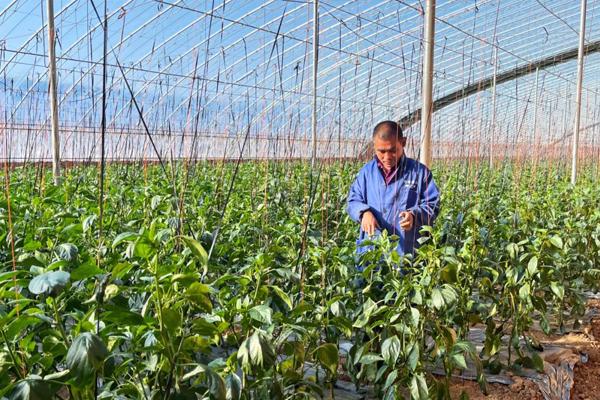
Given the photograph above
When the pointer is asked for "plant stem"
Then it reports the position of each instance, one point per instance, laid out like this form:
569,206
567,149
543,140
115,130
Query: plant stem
59,322
12,355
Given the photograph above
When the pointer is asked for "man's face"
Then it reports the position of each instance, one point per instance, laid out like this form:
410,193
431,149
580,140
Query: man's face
389,151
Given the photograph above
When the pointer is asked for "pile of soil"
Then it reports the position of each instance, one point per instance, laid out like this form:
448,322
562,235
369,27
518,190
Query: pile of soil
587,375
522,389
586,385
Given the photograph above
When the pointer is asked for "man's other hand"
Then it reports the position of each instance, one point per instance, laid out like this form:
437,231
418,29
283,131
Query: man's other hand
369,223
407,220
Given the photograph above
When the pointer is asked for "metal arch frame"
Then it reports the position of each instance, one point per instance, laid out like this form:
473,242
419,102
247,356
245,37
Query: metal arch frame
327,113
485,40
79,40
329,68
40,76
255,51
129,36
243,78
506,76
334,65
514,49
260,48
499,95
146,55
8,7
169,65
40,30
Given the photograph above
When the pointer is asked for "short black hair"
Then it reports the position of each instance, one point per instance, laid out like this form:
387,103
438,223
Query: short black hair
388,130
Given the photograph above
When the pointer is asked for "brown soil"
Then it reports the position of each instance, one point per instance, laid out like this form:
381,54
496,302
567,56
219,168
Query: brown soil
587,376
586,385
522,389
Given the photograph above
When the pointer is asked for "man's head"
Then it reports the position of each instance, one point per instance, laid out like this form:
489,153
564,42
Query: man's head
388,143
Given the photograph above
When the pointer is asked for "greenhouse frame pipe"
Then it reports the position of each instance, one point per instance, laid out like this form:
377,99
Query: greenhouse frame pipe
494,95
53,95
478,86
535,102
321,82
427,91
580,56
315,70
67,51
185,101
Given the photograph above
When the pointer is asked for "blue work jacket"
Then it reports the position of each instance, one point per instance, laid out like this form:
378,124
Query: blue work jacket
412,189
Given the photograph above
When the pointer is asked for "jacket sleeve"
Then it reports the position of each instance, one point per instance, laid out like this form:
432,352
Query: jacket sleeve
357,199
428,206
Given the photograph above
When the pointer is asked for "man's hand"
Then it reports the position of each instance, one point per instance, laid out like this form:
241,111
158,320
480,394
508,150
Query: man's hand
369,223
407,220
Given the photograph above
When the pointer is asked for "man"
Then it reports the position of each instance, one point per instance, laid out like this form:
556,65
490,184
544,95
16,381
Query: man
392,192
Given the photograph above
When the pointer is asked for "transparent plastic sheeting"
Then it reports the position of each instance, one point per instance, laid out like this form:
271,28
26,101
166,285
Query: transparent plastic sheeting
206,74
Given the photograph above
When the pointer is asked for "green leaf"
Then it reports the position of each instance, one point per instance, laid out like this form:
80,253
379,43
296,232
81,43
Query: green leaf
198,294
556,241
328,357
204,327
513,250
524,292
121,269
417,297
85,357
196,249
143,247
88,222
214,381
282,295
532,266
67,251
415,316
122,317
124,237
436,298
85,271
171,320
216,384
391,393
49,282
418,387
538,362
391,378
195,372
459,360
390,350
370,358
32,388
413,357
256,351
261,313
449,273
233,385
19,325
557,289
449,294
57,375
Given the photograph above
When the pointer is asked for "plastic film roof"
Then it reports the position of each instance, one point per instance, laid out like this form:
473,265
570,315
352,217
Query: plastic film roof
206,73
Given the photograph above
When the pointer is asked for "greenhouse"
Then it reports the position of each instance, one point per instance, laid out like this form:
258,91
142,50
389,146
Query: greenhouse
299,199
